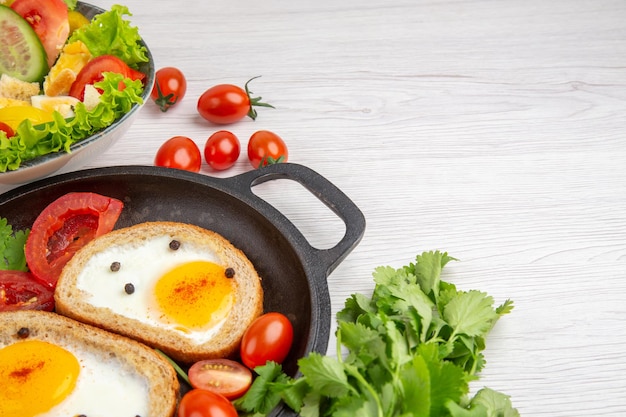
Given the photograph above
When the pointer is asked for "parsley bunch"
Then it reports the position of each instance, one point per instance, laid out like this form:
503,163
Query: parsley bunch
411,350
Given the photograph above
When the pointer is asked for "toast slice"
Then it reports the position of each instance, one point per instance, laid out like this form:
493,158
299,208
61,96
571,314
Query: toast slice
89,292
130,364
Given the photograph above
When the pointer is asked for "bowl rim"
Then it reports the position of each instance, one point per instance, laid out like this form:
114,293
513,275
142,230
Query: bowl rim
83,143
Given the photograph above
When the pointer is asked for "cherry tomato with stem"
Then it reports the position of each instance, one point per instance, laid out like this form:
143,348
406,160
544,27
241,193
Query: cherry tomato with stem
63,227
203,403
169,88
227,103
266,148
179,152
222,150
268,338
221,376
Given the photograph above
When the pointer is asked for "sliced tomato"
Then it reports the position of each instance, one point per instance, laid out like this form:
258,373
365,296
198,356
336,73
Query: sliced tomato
20,291
7,129
221,376
50,21
92,73
65,226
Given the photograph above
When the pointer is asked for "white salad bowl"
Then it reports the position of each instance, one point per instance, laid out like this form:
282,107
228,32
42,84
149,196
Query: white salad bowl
89,148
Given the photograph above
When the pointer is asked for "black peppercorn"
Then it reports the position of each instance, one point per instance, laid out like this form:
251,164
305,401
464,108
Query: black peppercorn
23,332
115,266
229,272
174,245
129,288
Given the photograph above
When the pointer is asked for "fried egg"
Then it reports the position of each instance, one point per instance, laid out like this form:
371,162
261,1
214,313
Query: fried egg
163,283
44,379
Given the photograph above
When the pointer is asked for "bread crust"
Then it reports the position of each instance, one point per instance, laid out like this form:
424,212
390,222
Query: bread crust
133,356
70,301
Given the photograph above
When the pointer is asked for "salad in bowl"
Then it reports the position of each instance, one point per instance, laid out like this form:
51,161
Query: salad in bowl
72,79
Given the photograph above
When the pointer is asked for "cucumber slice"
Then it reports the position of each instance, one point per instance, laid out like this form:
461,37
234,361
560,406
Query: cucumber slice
22,55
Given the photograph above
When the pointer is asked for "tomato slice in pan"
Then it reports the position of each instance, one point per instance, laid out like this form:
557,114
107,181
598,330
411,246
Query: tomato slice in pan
92,73
49,19
20,291
65,226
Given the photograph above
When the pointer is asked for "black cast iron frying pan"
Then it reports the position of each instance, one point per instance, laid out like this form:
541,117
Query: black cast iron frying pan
294,273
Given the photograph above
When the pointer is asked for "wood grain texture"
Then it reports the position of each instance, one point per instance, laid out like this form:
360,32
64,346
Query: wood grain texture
493,130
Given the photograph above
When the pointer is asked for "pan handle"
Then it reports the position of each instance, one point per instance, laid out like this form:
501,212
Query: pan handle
321,188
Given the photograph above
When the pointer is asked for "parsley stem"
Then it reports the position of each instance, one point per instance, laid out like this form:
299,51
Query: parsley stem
357,375
177,368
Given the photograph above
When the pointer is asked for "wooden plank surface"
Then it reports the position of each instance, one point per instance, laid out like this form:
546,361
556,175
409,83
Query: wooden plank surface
493,130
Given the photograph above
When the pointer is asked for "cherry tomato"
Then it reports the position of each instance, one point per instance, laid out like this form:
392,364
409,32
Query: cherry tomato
64,226
50,21
227,103
20,291
221,376
268,338
7,129
266,148
203,403
92,73
179,152
169,88
222,150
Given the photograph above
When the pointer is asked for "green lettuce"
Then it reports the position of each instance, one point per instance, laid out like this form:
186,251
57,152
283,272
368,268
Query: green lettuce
31,141
71,4
110,34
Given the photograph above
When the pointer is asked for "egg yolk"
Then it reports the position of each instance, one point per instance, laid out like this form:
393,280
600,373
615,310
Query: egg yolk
195,295
36,376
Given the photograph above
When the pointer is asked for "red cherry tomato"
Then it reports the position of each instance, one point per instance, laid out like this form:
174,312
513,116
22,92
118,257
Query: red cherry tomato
64,226
20,291
227,103
222,150
179,152
169,88
50,22
7,129
203,403
266,148
268,338
92,73
221,376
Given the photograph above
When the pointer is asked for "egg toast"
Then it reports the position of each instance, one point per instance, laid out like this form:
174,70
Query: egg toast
173,286
55,366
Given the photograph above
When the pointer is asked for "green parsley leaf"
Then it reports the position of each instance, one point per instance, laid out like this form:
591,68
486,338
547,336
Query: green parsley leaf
325,374
12,247
470,313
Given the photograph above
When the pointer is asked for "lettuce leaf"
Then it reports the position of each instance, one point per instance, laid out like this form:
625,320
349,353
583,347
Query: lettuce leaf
110,34
71,4
31,141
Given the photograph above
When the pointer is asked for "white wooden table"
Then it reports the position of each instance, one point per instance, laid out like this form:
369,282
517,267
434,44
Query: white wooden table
494,130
